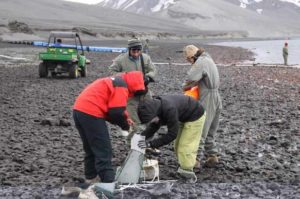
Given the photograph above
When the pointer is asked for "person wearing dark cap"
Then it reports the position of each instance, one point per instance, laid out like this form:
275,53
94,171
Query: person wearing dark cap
135,60
285,53
184,118
104,100
58,42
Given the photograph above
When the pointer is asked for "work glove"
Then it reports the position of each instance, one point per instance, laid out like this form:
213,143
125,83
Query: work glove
147,80
141,92
143,144
123,133
188,175
153,152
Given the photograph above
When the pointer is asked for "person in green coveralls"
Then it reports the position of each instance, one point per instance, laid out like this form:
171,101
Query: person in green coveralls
285,53
135,60
205,75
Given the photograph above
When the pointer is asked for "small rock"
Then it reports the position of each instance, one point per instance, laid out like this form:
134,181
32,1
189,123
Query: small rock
272,140
18,160
295,169
27,168
192,196
237,123
48,121
235,195
276,122
285,144
253,118
277,165
231,152
235,188
7,183
63,122
240,168
215,196
273,186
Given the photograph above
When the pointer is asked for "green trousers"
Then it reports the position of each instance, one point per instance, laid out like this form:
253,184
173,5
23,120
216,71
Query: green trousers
285,58
187,143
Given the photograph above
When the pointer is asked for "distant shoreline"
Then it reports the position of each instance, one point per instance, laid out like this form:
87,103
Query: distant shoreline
19,31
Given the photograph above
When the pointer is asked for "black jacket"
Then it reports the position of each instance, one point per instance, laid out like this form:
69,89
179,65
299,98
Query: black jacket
171,110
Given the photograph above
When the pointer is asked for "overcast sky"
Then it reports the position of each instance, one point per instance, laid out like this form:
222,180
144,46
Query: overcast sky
86,1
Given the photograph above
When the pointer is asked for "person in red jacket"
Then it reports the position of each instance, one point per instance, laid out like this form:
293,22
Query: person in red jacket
104,100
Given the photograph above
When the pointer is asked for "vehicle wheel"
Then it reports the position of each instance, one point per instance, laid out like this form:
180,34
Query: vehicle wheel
53,74
73,71
43,70
83,72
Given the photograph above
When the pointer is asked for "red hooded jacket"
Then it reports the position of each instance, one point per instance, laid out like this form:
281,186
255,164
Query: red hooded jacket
107,97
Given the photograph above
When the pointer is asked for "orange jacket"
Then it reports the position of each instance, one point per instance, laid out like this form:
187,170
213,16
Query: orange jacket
107,97
193,92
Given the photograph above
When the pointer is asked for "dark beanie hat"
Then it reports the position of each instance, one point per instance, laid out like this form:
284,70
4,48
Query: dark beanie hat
134,43
148,109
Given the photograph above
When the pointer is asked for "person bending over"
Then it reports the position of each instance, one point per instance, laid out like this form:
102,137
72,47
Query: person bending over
184,118
104,100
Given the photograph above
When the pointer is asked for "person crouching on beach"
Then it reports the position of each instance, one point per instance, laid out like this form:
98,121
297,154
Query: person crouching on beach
184,118
104,100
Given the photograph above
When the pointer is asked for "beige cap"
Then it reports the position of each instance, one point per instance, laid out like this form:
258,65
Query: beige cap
189,51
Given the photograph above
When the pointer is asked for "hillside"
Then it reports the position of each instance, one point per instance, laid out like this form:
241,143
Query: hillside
157,19
259,18
61,15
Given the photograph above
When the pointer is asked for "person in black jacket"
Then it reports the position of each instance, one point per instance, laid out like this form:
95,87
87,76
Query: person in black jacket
183,116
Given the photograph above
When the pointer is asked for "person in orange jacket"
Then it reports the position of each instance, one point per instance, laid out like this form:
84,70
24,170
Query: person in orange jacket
104,100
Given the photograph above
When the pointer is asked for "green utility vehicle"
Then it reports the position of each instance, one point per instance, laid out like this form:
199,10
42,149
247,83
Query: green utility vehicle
63,58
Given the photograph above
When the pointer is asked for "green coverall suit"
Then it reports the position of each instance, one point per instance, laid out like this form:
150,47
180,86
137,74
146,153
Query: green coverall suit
285,54
205,71
125,63
146,47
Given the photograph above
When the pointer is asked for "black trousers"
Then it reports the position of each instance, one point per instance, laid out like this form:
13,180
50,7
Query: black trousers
97,146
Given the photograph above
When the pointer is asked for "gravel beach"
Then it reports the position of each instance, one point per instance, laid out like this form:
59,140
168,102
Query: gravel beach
258,137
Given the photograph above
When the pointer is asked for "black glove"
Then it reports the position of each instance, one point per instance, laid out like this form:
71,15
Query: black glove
141,92
153,152
143,144
147,80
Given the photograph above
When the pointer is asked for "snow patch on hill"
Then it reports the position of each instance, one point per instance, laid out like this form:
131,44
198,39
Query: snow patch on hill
163,4
296,2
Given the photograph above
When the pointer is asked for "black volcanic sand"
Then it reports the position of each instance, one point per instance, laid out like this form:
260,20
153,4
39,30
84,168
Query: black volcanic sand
258,136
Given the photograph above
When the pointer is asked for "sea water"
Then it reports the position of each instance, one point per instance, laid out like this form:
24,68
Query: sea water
269,51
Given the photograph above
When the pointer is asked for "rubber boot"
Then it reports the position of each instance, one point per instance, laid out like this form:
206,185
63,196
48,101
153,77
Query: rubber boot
197,166
73,189
70,191
188,175
152,151
88,194
93,180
